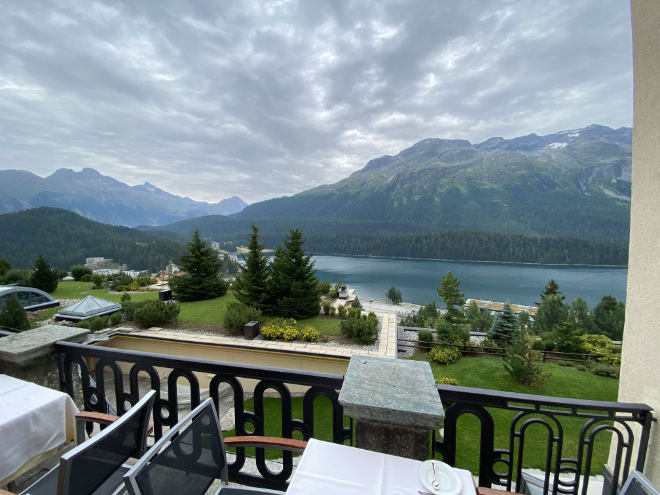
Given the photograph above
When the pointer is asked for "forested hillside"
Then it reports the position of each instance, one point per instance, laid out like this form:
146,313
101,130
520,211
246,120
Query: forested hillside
65,239
376,239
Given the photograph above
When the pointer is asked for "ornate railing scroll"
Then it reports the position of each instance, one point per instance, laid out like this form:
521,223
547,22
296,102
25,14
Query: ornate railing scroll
628,424
85,368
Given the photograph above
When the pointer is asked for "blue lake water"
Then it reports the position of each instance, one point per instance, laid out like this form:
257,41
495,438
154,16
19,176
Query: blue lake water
508,282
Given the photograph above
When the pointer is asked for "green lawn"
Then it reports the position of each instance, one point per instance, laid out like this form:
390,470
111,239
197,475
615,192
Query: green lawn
211,311
78,290
324,324
488,372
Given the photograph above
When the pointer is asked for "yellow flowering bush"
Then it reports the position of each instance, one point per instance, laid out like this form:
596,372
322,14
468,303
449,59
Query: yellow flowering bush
290,333
280,328
310,334
445,380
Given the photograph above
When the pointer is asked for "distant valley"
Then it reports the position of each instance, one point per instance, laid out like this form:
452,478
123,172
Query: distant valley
104,199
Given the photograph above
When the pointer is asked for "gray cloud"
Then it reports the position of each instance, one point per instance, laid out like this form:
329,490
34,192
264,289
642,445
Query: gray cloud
263,99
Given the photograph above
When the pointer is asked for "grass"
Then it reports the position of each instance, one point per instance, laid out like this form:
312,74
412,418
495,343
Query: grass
273,421
78,290
483,372
324,324
210,311
488,372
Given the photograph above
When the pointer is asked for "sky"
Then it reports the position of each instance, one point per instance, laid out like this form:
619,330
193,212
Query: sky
263,99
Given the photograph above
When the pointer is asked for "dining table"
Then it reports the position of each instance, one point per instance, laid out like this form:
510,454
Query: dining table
34,421
330,468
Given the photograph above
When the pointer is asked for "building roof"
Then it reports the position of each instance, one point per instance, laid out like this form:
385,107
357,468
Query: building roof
86,308
30,298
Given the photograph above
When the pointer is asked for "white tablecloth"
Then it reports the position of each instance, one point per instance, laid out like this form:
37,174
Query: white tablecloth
33,420
329,468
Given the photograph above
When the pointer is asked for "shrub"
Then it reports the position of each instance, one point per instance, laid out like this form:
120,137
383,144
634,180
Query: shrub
275,329
341,312
445,380
425,338
87,277
115,319
12,315
83,324
521,362
364,329
290,333
79,271
152,313
354,312
125,297
238,315
356,304
332,310
98,281
325,306
605,369
310,334
445,355
97,323
324,286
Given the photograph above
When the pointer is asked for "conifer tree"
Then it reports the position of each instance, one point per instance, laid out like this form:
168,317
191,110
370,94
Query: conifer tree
43,276
202,267
504,325
251,284
452,297
13,316
293,289
552,289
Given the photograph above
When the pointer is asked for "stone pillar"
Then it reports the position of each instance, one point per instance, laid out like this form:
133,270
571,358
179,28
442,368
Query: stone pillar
30,355
395,405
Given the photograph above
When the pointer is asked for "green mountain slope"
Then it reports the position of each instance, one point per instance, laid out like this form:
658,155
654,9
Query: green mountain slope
573,183
66,239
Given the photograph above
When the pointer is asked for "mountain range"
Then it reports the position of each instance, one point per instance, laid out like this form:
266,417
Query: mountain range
104,199
571,183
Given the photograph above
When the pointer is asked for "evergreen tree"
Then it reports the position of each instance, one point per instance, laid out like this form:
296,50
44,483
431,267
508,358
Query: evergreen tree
580,316
394,295
452,297
12,315
552,312
202,266
521,362
293,288
251,284
504,326
479,321
552,289
609,317
43,276
5,266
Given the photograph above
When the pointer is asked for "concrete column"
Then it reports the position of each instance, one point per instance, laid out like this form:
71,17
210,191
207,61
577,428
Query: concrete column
395,405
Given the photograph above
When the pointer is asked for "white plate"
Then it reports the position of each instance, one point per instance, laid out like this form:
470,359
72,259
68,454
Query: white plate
449,482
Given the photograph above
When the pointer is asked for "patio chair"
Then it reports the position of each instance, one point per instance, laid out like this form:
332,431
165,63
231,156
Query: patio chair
96,465
637,484
191,456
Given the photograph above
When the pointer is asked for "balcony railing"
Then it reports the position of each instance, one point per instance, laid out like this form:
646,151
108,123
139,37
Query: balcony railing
497,465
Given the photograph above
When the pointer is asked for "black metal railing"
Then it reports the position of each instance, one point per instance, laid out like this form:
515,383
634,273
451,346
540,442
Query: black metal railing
556,418
174,369
505,420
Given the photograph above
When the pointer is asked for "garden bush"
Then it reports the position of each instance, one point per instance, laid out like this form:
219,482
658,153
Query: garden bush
341,312
605,369
152,313
445,355
521,362
87,277
425,338
115,318
125,297
364,328
275,329
325,307
310,334
238,315
445,380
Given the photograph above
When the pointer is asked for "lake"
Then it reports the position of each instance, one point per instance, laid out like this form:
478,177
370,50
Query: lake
507,282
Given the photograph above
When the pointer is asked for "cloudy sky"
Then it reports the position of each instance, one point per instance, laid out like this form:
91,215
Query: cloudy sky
268,98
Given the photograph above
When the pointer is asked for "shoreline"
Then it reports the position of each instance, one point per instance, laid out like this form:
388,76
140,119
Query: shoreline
468,261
